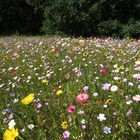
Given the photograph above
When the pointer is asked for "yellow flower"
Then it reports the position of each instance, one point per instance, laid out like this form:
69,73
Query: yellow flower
5,58
121,67
10,134
27,100
43,57
45,81
59,92
81,41
119,81
52,50
108,101
85,54
64,125
120,50
138,53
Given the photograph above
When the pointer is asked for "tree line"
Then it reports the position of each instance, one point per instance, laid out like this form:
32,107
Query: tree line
120,18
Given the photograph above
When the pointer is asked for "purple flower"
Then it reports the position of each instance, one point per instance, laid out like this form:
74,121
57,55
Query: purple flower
129,112
107,130
125,80
83,126
106,86
10,116
66,134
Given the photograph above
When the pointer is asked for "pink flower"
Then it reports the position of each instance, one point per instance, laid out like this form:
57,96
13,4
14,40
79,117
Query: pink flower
14,53
137,68
136,76
38,105
66,134
106,86
12,69
82,98
71,108
74,49
136,98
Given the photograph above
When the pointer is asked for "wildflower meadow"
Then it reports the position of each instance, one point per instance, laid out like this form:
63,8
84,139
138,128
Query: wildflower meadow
54,88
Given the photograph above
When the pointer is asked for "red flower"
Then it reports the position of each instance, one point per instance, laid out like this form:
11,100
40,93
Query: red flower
104,71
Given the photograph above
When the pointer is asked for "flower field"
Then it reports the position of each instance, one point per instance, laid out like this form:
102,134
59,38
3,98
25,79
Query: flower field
54,88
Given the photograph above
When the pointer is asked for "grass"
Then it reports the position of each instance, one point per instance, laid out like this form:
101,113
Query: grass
46,66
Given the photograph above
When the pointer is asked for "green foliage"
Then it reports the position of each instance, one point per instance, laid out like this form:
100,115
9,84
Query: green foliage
119,18
86,17
132,28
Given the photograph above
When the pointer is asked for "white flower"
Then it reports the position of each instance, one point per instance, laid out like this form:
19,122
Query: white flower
31,126
83,121
95,94
11,124
29,77
15,100
81,112
114,88
115,66
129,102
105,106
130,84
116,78
101,117
85,88
23,130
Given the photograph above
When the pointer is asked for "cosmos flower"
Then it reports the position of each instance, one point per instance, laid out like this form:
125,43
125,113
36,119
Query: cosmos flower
129,112
30,126
14,53
137,62
83,126
107,130
38,105
114,88
136,76
136,98
71,108
106,86
10,134
82,98
137,68
27,100
85,88
11,124
66,134
101,117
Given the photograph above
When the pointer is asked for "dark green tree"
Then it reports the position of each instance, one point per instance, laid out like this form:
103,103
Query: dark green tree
18,16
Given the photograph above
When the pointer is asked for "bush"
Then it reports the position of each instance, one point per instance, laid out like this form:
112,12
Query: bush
132,28
102,18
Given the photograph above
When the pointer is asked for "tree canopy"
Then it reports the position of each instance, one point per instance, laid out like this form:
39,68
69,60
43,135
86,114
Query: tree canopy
73,17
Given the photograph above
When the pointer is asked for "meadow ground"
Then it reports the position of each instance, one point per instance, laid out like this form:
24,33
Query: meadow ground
54,88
